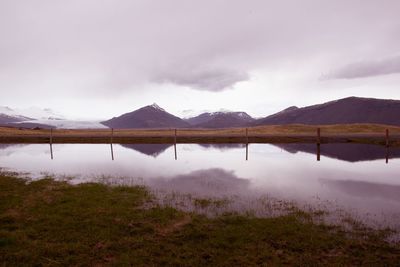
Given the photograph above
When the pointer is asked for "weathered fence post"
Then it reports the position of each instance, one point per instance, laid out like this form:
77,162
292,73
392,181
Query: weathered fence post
175,136
247,135
112,136
387,137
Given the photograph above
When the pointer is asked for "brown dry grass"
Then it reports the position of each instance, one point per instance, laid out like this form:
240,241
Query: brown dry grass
259,130
296,133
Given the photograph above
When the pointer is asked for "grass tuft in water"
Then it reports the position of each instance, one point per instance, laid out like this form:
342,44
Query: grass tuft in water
53,223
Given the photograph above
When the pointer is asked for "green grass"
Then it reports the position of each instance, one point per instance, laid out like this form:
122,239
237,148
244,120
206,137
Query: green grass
49,223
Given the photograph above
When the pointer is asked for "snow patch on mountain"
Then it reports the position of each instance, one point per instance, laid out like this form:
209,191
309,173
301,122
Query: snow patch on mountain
31,113
157,107
70,124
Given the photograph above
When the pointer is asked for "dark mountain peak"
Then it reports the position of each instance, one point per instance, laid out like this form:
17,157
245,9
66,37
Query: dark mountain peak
342,111
360,100
290,108
151,116
155,107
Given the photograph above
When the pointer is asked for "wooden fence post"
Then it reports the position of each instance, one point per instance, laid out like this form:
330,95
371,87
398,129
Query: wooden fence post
175,136
51,136
387,137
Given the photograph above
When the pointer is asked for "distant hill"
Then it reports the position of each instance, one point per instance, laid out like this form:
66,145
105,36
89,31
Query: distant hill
346,110
147,117
220,120
5,119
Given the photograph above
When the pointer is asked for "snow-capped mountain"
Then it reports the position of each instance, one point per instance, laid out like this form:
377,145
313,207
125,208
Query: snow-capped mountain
32,113
37,117
151,116
69,124
191,113
221,119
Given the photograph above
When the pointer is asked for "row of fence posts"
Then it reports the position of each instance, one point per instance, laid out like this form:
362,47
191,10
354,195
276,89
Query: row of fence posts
387,143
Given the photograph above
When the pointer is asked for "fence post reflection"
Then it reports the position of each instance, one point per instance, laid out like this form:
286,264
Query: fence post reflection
176,155
112,152
318,152
51,151
387,155
247,151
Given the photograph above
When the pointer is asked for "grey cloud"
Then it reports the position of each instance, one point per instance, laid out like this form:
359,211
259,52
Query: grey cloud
203,79
364,69
107,48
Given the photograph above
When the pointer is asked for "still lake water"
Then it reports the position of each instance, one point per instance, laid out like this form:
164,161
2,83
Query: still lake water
352,177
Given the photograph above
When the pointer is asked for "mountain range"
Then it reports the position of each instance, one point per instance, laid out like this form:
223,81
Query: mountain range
343,111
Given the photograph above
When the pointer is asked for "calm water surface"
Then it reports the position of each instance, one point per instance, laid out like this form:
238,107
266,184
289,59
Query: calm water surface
354,177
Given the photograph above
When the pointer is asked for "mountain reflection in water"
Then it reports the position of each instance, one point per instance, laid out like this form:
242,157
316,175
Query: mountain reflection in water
351,176
346,152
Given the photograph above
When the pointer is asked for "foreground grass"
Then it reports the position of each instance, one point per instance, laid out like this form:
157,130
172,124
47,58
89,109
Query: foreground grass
48,223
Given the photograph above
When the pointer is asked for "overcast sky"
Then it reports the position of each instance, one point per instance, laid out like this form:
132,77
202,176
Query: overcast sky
100,58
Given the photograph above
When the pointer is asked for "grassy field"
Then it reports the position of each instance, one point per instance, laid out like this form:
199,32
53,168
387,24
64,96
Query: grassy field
48,223
358,133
